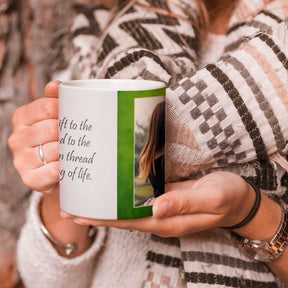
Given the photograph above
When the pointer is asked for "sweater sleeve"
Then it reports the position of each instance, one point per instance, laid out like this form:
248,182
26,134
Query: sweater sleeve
41,266
232,111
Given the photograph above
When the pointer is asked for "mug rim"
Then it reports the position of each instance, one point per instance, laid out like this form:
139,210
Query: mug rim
113,84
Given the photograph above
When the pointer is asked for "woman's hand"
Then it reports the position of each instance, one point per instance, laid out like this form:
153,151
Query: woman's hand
218,199
34,124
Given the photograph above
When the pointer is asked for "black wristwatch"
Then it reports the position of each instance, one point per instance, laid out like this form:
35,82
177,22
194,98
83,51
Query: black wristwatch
268,251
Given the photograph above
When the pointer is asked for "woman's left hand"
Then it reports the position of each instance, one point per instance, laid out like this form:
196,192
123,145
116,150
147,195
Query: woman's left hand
217,199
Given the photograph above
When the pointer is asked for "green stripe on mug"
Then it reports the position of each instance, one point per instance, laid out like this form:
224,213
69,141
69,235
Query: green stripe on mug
126,188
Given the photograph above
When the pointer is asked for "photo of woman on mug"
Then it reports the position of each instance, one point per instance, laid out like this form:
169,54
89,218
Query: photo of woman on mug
151,164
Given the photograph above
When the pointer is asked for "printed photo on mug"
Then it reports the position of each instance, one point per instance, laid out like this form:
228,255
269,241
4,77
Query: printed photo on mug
149,142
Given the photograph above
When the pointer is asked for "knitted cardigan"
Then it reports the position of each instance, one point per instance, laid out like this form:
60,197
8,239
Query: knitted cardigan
229,114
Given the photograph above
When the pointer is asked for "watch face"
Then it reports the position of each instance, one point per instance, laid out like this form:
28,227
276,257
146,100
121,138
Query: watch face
256,253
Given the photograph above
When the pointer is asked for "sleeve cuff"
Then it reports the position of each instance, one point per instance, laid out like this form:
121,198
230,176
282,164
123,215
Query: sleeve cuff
46,246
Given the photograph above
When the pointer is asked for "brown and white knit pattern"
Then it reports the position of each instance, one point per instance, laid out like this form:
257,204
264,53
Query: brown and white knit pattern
231,114
164,264
236,108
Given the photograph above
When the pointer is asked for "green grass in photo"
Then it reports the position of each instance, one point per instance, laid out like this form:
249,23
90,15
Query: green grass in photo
143,191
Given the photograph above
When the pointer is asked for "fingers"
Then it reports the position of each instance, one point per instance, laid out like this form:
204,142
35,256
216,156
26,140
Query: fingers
38,110
30,158
187,207
175,226
50,153
43,132
39,133
44,178
24,144
34,124
51,89
181,202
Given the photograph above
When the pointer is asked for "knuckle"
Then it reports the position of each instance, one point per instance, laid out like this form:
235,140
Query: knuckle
27,180
56,147
17,164
16,116
55,155
14,141
53,172
11,142
51,128
49,107
185,207
180,205
18,139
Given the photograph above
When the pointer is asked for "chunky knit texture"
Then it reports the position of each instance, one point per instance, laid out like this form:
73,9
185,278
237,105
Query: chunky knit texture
228,114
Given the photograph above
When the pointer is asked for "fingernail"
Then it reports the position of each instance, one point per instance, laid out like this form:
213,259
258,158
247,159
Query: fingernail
161,209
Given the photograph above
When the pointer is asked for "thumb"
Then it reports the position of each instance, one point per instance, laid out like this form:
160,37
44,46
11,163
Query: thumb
51,89
180,202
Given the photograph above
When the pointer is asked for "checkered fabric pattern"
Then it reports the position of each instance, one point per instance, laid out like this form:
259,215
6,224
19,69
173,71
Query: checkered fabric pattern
205,110
155,280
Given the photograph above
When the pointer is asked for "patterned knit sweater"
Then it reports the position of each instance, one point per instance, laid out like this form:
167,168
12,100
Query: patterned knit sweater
227,114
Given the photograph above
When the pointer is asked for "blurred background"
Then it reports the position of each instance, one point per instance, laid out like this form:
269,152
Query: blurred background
29,34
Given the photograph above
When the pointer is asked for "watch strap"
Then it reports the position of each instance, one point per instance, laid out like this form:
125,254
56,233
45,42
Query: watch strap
274,248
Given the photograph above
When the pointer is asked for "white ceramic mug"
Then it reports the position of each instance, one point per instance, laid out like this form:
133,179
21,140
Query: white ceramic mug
100,124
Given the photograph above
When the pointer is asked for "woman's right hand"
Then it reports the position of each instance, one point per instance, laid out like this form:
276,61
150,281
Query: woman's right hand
34,124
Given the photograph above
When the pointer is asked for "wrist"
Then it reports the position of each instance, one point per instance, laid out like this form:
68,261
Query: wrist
63,230
265,223
272,249
249,207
